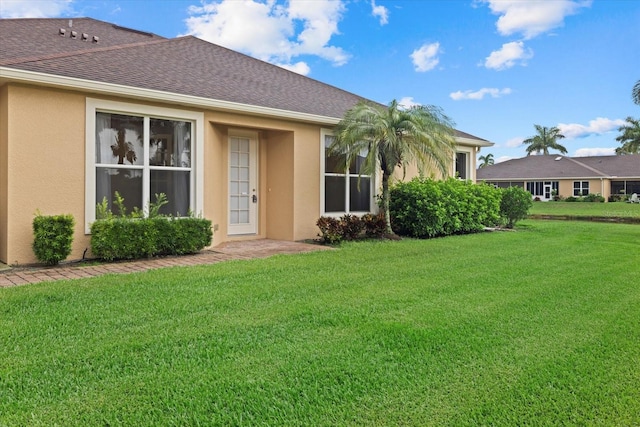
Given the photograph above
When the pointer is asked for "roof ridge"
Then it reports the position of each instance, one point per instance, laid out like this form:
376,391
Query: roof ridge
586,166
28,59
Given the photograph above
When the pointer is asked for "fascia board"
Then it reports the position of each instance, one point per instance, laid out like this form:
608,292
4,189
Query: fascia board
473,142
12,74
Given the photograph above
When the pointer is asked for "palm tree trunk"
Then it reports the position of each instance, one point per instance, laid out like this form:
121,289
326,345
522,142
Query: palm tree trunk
385,202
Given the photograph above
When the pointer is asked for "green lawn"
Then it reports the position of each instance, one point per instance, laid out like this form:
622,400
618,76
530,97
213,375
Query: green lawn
584,209
535,327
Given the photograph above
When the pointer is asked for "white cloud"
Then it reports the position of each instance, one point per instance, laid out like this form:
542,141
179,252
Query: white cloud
479,94
425,58
586,152
514,142
531,18
595,127
34,8
509,55
408,102
279,32
381,12
299,67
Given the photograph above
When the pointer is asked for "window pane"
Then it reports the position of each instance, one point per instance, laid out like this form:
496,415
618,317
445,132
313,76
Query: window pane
176,185
334,194
356,166
359,199
119,139
170,143
127,182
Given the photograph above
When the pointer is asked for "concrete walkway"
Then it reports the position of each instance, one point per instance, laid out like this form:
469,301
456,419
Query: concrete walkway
224,252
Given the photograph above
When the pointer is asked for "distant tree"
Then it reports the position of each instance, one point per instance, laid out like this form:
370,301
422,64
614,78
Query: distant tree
394,137
486,160
635,93
630,137
544,140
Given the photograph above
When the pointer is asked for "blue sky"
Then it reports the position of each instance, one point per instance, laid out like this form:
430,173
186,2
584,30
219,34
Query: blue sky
496,67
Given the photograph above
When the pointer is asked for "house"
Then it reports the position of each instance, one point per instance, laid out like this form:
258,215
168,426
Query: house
88,108
567,176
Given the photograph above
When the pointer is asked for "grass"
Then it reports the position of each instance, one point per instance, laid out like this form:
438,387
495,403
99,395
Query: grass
584,209
534,327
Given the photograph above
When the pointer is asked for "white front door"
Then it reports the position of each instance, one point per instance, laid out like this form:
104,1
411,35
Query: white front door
243,194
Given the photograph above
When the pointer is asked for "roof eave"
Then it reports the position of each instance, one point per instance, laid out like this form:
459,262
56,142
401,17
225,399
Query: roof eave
473,142
44,79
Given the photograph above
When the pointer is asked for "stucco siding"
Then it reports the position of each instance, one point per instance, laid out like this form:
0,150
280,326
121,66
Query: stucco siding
45,165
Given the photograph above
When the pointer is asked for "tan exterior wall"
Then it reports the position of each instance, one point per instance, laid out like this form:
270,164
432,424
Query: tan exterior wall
4,136
44,165
43,156
596,186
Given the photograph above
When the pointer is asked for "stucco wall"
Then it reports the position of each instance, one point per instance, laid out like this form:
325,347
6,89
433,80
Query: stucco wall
45,165
4,91
42,154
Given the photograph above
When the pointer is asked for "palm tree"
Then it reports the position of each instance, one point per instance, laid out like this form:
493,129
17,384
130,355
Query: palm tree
486,160
394,137
635,93
544,140
630,137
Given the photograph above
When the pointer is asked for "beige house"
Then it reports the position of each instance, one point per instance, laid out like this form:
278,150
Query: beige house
543,175
88,108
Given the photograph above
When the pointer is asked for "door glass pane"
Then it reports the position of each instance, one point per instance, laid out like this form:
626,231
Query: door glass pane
239,181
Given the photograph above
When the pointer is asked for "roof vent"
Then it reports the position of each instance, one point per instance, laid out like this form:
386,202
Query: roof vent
74,34
62,32
558,158
85,37
95,39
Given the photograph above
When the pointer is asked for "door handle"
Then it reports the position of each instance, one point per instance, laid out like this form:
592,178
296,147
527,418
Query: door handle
254,198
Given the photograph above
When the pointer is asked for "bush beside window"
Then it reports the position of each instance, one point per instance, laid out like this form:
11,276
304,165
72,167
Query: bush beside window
53,236
131,236
426,208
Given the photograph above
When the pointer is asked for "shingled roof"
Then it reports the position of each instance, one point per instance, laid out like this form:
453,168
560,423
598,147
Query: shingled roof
560,167
107,53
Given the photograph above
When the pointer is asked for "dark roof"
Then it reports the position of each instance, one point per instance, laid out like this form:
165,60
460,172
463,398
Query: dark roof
561,167
183,65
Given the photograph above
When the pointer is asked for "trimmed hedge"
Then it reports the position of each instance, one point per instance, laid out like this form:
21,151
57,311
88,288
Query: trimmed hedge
425,208
53,236
125,238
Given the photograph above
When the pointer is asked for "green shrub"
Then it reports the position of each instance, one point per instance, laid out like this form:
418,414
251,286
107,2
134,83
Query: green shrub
53,236
571,199
123,238
426,208
130,236
515,205
181,236
330,230
594,198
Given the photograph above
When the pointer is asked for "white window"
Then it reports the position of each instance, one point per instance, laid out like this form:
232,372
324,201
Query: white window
580,188
343,191
140,151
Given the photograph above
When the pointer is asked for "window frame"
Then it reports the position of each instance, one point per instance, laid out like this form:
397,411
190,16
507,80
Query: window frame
148,112
580,188
348,175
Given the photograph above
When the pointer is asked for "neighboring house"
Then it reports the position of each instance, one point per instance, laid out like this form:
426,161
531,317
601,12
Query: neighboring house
543,176
88,108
